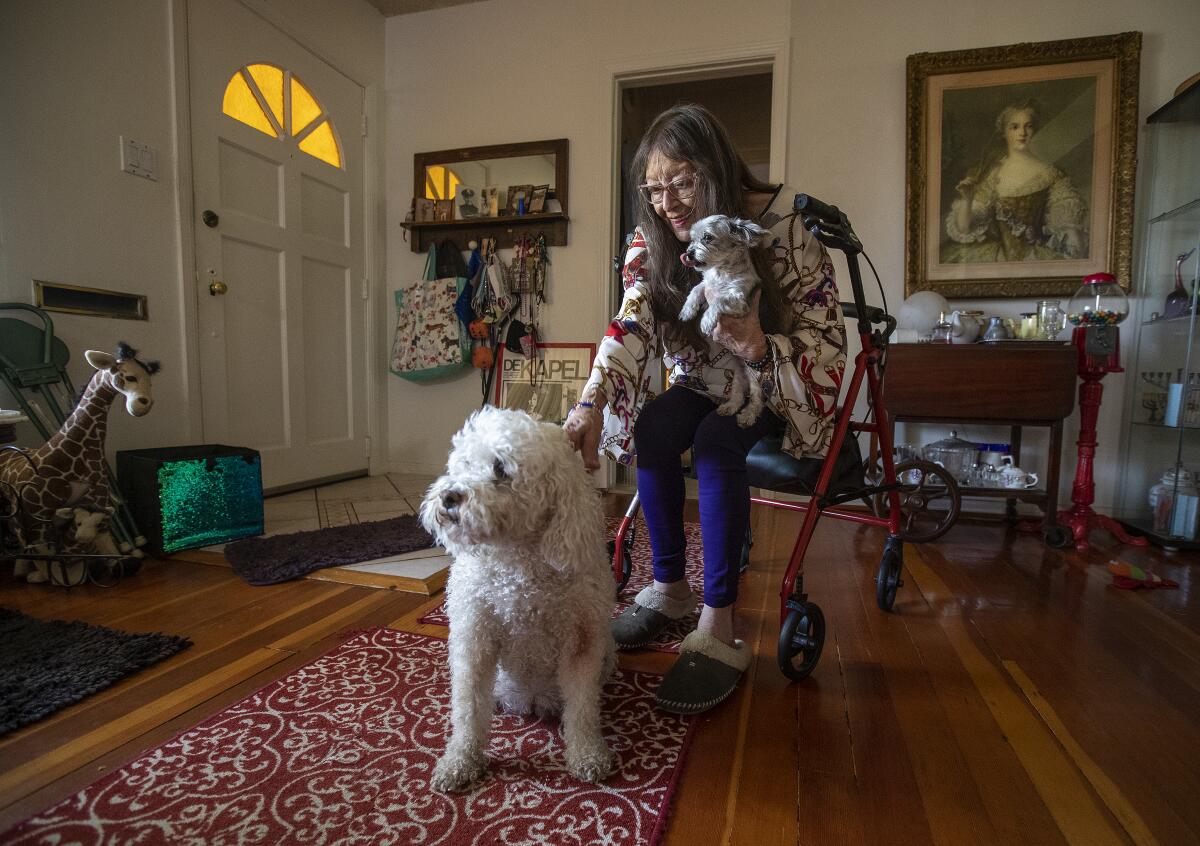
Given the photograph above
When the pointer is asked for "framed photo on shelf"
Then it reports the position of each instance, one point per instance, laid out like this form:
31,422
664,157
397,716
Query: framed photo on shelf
467,202
443,210
1020,172
537,201
423,210
517,193
489,202
547,385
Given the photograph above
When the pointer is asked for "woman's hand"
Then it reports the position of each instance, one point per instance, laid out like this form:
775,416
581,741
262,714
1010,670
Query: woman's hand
742,336
966,187
583,426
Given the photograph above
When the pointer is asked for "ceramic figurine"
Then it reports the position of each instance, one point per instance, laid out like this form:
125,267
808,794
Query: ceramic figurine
965,327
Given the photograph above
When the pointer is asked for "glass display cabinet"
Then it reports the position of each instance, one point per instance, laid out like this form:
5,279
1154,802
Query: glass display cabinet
1161,456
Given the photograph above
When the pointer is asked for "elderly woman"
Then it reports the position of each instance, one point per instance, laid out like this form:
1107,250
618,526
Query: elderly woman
1014,206
793,340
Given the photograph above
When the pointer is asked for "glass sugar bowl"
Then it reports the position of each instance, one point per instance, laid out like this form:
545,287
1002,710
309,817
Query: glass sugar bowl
953,453
1100,301
1176,481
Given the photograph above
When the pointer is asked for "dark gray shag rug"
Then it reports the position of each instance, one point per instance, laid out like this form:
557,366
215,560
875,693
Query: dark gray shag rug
267,561
47,665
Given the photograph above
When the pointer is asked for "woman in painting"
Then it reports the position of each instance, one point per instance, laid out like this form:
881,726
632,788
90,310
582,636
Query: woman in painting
1014,206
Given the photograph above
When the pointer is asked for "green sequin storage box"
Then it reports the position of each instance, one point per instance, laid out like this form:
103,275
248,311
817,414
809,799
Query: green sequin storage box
190,496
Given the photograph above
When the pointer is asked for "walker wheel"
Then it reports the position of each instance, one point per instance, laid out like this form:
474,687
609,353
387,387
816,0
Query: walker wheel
801,639
626,558
888,579
930,501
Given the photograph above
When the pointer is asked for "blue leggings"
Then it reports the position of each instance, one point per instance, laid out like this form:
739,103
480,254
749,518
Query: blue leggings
667,426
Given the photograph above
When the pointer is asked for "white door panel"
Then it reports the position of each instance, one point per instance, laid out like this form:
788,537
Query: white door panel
282,350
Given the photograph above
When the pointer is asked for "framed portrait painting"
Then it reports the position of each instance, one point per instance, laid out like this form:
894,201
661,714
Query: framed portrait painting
1020,173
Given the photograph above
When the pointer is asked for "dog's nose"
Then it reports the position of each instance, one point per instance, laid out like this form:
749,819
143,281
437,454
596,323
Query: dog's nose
451,499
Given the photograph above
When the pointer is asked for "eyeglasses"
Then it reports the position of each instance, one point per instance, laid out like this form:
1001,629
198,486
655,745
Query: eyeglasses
681,188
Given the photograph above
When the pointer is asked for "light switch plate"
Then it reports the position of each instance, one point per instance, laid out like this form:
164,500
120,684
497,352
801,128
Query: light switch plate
138,158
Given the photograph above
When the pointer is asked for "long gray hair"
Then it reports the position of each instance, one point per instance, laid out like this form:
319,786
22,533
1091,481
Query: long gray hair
690,133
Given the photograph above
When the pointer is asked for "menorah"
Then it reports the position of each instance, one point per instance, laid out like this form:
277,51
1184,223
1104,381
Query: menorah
1155,402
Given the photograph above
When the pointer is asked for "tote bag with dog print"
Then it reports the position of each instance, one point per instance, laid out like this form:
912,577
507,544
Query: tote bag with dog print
430,342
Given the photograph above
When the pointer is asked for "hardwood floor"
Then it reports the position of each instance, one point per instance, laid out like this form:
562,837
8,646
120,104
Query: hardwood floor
1013,696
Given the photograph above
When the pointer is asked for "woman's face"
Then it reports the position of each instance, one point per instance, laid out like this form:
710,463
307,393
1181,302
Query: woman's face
672,189
1018,130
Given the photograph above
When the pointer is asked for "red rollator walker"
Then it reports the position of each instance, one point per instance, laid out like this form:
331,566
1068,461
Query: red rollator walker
918,508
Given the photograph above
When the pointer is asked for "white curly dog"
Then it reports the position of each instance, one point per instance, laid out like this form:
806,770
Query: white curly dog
529,593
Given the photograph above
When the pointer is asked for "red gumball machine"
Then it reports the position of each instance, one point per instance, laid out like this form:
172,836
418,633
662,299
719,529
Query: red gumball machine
1095,311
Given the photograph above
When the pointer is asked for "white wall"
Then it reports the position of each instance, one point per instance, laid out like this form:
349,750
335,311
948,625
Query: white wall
74,75
535,69
847,138
845,132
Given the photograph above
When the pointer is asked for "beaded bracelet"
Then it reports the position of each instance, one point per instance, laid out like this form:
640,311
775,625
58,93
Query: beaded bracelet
761,365
582,404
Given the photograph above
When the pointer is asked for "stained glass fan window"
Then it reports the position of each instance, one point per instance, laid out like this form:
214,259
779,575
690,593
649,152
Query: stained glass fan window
271,100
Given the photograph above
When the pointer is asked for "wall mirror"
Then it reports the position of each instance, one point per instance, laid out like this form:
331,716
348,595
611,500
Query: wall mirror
501,191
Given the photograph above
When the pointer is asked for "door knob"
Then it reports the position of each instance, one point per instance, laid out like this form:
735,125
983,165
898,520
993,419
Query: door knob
210,218
216,287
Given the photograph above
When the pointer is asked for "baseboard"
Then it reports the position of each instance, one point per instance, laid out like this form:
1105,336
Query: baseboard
418,468
315,483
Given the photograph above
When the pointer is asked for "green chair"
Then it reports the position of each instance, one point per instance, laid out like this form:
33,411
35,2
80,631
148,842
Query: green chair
33,360
33,364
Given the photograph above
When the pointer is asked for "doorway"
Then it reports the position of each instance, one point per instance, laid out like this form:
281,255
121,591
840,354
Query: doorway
742,103
740,99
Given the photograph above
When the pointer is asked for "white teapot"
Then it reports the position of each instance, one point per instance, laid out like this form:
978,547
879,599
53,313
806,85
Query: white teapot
1012,476
965,327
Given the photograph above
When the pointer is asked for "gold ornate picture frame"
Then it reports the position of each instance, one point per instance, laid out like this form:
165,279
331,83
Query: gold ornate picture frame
1021,162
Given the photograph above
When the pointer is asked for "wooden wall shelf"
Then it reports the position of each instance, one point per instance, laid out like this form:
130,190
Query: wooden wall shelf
505,230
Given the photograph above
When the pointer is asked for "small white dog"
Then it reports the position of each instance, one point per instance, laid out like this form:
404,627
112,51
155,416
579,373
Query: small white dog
529,594
720,249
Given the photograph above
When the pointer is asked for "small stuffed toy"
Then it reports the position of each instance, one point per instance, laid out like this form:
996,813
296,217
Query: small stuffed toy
479,330
482,358
1128,577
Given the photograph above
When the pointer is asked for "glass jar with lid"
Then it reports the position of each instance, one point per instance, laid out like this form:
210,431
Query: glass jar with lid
1175,482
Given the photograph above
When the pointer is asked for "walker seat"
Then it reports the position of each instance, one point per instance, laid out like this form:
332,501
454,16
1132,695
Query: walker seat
772,469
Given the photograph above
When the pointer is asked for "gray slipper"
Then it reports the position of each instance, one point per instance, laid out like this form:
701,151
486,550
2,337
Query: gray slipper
705,674
650,613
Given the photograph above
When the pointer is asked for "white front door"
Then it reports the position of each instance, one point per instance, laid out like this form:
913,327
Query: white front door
279,247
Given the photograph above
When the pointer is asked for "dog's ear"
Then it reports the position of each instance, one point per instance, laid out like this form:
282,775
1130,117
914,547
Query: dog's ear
573,536
750,233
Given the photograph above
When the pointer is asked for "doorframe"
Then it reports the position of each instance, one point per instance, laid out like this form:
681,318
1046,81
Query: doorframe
373,235
181,103
679,66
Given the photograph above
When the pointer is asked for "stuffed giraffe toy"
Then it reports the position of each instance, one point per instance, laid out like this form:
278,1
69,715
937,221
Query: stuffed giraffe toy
69,470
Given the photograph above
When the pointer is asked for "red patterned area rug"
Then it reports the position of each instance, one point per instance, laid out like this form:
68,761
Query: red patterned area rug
340,752
642,575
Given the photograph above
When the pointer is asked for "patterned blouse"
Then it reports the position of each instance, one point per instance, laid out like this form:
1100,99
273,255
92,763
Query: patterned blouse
803,382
